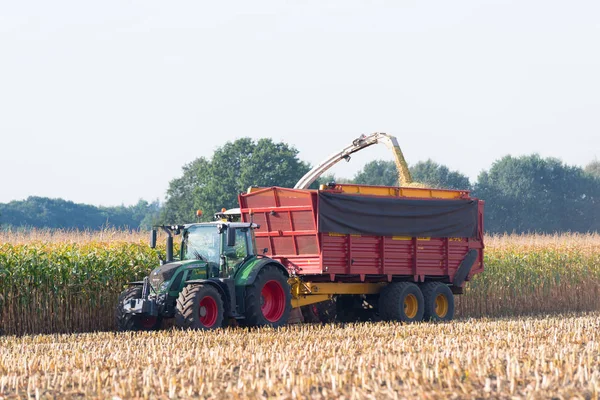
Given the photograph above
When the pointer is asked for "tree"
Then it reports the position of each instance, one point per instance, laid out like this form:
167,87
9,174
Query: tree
427,172
531,194
211,184
434,175
593,168
43,212
378,172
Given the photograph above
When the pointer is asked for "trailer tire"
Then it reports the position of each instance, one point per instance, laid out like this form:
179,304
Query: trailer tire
199,307
268,299
439,302
401,301
134,322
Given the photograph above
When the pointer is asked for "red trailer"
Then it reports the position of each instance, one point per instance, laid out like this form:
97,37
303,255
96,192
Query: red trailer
395,253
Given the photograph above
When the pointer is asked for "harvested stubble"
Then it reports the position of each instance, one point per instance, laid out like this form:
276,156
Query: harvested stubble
69,281
532,357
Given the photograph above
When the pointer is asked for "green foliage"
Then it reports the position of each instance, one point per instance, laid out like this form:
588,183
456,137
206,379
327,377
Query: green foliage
439,176
543,280
73,287
67,287
43,212
593,168
428,172
378,172
210,185
531,194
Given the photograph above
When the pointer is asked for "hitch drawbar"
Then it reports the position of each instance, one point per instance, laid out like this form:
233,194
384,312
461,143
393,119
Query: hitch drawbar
145,305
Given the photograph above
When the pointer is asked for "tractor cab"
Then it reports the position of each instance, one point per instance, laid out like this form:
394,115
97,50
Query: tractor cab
223,246
207,250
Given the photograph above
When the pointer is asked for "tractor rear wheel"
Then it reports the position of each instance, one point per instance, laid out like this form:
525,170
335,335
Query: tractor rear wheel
439,302
401,301
199,307
134,322
269,299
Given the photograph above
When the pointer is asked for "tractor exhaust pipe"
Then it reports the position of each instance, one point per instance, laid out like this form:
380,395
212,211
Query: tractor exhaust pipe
169,248
169,244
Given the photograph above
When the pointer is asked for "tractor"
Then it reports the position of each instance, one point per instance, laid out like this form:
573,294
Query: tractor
219,279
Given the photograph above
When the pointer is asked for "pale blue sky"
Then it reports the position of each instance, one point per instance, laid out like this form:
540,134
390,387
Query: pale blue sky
103,102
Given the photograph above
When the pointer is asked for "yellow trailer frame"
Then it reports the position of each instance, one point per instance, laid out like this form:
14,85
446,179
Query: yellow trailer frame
393,191
305,293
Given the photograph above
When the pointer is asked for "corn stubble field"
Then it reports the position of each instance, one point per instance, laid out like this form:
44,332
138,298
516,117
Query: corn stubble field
544,357
69,281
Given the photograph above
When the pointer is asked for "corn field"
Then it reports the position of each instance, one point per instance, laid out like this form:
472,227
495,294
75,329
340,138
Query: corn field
531,357
52,282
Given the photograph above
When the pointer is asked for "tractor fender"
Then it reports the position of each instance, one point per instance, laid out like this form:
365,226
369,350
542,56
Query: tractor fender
247,274
222,286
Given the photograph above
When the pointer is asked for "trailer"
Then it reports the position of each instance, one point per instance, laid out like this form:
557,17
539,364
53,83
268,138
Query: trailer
374,252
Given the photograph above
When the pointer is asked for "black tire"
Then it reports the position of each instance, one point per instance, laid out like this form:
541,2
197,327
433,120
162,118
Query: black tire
269,299
134,322
439,302
199,307
401,301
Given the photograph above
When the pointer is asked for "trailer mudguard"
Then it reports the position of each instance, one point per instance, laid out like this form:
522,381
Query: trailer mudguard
464,268
247,273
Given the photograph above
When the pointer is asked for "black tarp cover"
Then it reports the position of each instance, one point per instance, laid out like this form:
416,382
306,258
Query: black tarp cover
393,216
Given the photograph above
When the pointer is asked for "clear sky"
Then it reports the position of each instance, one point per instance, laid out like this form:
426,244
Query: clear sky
103,102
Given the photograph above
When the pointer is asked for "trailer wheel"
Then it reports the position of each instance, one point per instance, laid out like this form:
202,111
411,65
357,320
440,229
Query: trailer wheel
401,301
439,302
269,299
134,322
199,307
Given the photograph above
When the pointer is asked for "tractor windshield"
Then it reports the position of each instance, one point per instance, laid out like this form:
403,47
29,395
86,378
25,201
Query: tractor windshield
201,243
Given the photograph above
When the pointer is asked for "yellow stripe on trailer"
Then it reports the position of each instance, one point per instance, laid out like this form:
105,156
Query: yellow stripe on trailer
409,192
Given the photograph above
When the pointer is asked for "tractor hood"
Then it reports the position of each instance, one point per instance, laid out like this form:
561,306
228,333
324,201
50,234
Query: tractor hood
166,272
163,273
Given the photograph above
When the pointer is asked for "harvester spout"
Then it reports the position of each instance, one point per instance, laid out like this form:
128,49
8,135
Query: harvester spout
362,142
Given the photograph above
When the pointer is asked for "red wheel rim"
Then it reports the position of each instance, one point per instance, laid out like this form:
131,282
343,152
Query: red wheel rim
273,301
208,311
148,322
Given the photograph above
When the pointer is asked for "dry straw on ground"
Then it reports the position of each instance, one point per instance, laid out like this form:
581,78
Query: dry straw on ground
546,357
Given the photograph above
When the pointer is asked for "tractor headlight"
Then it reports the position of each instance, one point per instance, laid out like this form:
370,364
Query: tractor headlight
164,286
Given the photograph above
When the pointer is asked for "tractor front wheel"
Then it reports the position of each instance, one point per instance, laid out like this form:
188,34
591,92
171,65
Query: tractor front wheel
268,300
134,322
199,307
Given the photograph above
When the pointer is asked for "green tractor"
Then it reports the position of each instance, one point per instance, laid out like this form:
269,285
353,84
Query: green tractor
218,279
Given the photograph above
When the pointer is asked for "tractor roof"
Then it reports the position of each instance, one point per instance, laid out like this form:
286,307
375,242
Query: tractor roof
224,223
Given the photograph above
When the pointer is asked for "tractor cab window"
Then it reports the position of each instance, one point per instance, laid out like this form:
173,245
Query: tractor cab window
201,243
235,254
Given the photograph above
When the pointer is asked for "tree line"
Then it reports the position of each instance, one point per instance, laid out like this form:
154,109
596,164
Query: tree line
522,194
43,212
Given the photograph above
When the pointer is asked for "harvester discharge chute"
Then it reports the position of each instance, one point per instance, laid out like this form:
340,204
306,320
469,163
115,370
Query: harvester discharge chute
362,142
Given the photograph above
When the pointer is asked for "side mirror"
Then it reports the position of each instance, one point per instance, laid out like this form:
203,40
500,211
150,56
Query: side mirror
153,239
230,237
230,253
